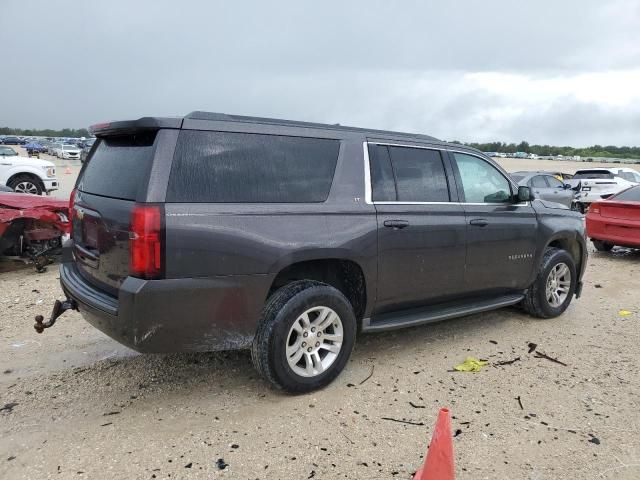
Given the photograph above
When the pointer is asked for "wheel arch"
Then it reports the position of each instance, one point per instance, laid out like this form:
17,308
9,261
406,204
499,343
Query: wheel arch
346,275
26,173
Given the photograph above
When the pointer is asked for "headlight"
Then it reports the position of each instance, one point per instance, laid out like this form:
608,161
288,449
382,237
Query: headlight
51,172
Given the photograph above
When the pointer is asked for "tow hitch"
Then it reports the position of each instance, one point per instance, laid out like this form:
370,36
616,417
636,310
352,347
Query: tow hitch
58,309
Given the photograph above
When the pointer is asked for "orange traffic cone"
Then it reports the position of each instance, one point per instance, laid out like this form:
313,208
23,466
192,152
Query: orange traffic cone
439,462
67,171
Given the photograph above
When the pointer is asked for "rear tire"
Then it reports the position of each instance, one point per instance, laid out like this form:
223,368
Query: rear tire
602,246
554,287
297,363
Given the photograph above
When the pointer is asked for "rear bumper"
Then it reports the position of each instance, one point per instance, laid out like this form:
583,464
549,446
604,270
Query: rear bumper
624,233
173,315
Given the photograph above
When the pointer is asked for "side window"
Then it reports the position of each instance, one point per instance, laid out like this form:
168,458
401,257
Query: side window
383,187
222,167
539,182
481,181
420,175
554,182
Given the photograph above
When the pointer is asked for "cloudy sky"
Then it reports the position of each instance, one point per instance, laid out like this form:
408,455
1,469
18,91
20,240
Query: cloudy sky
546,71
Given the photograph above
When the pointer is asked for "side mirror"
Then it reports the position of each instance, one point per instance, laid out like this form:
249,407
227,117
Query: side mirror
567,186
525,194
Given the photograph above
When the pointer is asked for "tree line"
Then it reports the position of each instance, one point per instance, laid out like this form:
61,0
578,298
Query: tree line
550,150
47,132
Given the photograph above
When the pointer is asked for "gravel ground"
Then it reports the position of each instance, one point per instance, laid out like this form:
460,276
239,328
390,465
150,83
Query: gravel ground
75,404
78,405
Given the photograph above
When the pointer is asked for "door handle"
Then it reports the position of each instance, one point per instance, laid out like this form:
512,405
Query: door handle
396,224
479,222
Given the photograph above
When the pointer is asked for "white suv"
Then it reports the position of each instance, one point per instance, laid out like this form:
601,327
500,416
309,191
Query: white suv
26,175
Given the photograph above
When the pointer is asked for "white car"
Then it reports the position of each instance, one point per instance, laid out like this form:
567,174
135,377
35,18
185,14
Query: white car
595,184
27,175
69,152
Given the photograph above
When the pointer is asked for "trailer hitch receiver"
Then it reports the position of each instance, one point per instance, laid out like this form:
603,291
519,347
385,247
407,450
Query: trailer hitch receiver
58,309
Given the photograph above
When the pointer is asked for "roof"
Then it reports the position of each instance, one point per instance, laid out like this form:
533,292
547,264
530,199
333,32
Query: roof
154,123
223,117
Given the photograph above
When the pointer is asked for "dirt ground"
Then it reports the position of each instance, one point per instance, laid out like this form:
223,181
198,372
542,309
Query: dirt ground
75,404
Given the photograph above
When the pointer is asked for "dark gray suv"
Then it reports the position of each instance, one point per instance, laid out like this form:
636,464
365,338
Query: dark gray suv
218,232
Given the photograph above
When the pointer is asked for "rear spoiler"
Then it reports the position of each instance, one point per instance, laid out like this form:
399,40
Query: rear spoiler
134,126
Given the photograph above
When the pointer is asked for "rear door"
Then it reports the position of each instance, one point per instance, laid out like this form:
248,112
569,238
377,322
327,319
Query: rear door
112,180
421,227
501,234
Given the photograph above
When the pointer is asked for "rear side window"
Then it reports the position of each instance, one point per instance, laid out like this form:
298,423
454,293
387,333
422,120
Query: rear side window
119,166
407,174
420,175
383,187
630,195
222,167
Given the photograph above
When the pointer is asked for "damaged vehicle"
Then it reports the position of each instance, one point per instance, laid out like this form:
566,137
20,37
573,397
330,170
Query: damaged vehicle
288,238
32,227
595,184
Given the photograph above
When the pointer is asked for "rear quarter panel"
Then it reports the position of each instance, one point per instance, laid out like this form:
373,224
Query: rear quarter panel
222,239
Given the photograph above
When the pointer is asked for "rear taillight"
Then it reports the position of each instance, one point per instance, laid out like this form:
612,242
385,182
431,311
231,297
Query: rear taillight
594,208
145,242
72,211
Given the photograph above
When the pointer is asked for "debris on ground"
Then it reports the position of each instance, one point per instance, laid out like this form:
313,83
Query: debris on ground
595,440
519,402
408,422
416,406
8,407
625,313
547,357
471,364
220,463
508,362
532,346
369,376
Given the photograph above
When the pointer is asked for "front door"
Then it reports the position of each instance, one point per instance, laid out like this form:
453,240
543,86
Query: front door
421,231
501,233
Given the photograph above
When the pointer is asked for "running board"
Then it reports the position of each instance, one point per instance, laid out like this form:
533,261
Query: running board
435,313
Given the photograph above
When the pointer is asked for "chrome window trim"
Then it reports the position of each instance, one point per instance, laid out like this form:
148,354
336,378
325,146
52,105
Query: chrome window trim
367,177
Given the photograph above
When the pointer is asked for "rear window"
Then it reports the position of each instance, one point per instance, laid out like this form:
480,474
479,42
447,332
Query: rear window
630,195
222,167
119,166
592,174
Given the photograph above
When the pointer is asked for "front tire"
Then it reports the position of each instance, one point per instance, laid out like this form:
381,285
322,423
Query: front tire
305,336
26,184
554,287
602,246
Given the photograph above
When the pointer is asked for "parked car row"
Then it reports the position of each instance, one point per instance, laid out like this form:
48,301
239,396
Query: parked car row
580,190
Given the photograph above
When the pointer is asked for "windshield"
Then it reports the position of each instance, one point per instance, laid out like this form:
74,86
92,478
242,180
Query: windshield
7,152
69,147
630,195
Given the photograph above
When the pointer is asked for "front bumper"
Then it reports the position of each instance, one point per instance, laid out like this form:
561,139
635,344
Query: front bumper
51,184
173,315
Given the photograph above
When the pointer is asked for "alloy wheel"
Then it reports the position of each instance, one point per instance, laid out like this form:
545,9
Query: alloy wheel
558,285
314,341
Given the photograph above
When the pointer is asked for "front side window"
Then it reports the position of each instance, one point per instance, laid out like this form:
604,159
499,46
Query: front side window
481,181
554,182
538,182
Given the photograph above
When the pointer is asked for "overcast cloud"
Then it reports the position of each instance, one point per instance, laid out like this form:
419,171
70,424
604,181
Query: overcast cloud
557,72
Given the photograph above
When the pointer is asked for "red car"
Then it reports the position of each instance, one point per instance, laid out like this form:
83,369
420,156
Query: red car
615,221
